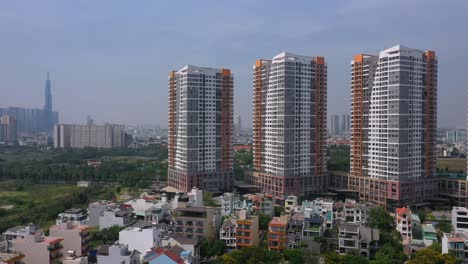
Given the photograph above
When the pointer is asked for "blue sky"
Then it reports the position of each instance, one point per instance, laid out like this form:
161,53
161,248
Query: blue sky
111,58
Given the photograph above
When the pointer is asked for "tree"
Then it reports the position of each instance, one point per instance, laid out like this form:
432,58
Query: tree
228,259
293,256
263,221
388,254
279,210
380,219
354,259
211,248
272,257
444,227
429,255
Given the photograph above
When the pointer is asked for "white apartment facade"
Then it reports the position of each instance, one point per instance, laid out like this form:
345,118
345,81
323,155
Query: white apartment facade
80,136
141,238
200,128
393,123
290,125
460,219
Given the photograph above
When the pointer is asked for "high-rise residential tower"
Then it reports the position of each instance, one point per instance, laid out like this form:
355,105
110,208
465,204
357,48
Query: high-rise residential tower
335,125
345,124
8,129
237,125
290,125
200,129
90,135
393,126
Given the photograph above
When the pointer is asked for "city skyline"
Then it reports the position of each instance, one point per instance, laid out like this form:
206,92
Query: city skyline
129,68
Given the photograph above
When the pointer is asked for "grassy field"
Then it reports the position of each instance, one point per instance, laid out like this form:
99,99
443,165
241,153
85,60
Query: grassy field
41,203
452,165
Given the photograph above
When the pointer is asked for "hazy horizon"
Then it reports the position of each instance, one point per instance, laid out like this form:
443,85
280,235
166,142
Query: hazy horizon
111,59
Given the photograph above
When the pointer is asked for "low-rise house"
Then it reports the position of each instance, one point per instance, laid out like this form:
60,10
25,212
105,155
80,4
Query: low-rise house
72,258
20,232
3,244
157,213
354,212
174,255
188,244
277,233
76,238
117,253
196,222
39,249
77,216
83,184
259,203
460,219
429,234
404,224
230,203
192,199
322,207
313,226
95,210
457,244
142,236
147,208
352,237
290,203
116,216
246,230
294,230
227,233
11,258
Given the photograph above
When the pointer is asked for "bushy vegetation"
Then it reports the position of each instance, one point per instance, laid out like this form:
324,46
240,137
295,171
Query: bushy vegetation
257,255
243,159
128,167
338,158
42,203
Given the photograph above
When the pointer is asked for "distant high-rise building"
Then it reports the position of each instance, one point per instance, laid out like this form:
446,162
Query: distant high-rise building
237,125
35,120
455,136
98,136
89,120
200,129
393,126
48,115
334,124
290,125
345,124
8,129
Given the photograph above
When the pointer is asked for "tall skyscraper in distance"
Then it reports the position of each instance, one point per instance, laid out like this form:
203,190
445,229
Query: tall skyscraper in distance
335,125
290,125
48,115
393,126
8,129
200,129
35,120
48,95
345,124
237,125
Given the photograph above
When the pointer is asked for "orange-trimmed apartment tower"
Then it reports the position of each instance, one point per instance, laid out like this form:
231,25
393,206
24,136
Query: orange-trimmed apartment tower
200,129
290,125
393,126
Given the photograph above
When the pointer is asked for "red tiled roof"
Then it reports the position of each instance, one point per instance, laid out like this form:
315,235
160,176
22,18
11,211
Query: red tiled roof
401,210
